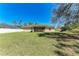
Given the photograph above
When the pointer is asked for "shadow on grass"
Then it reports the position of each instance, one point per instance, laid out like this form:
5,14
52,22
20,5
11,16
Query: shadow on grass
60,45
62,37
59,35
64,53
60,53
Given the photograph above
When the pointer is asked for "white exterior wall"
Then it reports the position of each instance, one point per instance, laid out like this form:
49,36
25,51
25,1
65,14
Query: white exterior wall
47,30
27,30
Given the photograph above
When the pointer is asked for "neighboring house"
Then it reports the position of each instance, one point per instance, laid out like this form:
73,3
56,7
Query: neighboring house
3,25
38,28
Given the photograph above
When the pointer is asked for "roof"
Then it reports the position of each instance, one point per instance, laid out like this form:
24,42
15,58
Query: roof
31,26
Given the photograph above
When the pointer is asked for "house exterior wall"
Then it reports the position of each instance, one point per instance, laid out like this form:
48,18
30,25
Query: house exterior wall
39,29
47,30
27,30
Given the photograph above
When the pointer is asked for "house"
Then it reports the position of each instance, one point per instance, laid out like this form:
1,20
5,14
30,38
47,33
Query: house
38,28
3,25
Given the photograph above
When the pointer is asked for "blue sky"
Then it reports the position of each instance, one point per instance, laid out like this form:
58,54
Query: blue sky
40,13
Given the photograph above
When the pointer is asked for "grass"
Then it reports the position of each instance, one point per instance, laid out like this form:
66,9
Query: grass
27,43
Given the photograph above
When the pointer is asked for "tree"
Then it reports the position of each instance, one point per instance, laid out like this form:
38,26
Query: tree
15,23
69,13
19,23
30,23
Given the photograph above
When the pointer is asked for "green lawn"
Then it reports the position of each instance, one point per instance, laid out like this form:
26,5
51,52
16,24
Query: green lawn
23,43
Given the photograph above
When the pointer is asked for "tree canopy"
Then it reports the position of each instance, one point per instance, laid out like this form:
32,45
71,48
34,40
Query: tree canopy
68,13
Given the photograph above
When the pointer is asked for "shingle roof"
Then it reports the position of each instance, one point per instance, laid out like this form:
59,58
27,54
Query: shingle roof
31,26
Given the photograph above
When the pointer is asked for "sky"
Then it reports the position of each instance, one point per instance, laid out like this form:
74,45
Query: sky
40,13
